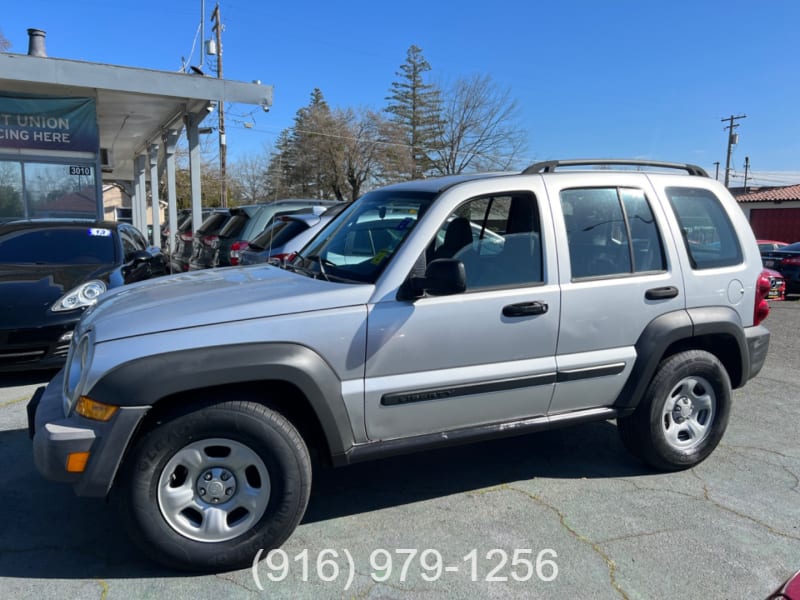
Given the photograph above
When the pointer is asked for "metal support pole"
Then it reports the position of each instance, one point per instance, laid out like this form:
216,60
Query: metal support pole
139,199
170,143
155,238
193,138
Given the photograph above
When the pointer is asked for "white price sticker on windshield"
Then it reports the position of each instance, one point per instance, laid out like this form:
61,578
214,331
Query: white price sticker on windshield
96,232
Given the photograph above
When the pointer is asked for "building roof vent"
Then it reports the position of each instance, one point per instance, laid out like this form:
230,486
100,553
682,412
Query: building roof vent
36,42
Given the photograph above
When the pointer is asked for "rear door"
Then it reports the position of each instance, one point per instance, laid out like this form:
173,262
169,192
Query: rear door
617,275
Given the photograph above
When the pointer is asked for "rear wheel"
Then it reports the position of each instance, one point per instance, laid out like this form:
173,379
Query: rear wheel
209,489
683,414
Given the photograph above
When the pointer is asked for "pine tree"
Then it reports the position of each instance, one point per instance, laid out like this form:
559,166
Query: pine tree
414,106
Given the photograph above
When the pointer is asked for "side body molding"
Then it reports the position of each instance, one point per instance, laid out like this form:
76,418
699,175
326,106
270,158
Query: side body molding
144,381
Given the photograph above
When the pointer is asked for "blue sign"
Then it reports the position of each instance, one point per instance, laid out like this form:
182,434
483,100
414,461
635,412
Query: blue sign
49,124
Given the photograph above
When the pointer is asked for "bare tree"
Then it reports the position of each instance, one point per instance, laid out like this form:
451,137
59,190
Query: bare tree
250,173
478,128
4,43
362,153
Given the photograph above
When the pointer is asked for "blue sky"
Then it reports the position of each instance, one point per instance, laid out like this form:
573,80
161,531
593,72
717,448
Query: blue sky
612,78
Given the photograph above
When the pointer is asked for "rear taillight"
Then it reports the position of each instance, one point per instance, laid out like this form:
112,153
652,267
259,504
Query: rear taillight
210,240
761,310
794,260
236,249
186,237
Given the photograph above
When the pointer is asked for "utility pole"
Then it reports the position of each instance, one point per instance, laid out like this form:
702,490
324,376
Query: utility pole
732,140
215,16
202,32
746,169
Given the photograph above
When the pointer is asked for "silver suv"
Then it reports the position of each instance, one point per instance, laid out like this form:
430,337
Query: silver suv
428,313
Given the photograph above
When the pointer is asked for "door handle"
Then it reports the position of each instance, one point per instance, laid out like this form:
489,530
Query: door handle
524,309
661,293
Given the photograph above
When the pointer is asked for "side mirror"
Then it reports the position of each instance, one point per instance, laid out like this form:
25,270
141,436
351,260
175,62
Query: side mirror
139,257
443,277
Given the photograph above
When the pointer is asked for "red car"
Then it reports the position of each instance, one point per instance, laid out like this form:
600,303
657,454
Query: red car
790,590
770,245
777,285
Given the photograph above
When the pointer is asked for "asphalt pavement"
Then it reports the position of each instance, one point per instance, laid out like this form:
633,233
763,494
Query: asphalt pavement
559,514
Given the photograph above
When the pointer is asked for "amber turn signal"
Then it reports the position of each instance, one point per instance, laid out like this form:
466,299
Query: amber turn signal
76,461
97,411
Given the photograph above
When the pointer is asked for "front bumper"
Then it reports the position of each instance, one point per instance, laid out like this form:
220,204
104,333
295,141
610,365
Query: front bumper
27,348
55,437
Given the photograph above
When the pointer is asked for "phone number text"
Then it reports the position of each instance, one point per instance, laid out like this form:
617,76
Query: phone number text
402,564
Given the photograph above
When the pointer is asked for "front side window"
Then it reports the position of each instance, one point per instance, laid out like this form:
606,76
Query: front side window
497,238
132,242
611,231
708,234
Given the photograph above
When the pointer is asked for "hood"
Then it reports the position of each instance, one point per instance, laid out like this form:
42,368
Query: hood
27,291
214,296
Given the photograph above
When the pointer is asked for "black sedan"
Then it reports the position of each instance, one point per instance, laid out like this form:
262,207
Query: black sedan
51,271
787,262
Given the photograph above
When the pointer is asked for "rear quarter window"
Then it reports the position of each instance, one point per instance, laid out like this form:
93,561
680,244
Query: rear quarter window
708,234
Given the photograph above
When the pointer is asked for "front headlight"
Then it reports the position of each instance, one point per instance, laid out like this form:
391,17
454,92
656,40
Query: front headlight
82,296
78,361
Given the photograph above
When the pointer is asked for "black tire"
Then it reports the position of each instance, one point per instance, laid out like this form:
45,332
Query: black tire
683,413
247,459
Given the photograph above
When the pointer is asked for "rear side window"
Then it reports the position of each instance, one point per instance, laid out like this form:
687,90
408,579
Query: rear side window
214,222
708,234
234,225
611,231
277,234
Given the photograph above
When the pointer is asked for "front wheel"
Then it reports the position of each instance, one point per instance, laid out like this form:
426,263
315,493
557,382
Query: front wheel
209,489
683,414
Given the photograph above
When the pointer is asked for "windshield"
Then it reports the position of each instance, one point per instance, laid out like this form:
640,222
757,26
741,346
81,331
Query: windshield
67,246
360,242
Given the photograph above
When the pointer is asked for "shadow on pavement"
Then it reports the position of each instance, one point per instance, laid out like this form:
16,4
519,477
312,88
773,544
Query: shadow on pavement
8,380
49,533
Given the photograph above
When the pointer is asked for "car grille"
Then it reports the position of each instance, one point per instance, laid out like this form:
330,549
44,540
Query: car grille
23,346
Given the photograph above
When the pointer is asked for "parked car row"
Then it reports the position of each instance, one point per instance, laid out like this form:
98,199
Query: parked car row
219,240
286,235
784,259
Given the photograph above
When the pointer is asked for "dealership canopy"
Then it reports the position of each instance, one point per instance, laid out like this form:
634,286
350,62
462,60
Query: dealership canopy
139,113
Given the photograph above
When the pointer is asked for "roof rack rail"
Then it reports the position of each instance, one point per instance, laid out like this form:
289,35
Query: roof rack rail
551,165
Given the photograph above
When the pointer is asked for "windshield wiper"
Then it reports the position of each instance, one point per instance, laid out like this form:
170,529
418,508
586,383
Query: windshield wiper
321,261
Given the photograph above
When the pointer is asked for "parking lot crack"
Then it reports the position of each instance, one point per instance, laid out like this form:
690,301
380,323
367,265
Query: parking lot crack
234,582
739,449
741,515
633,536
8,403
595,546
104,589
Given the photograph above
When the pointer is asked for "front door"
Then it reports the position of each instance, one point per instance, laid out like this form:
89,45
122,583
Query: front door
478,357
